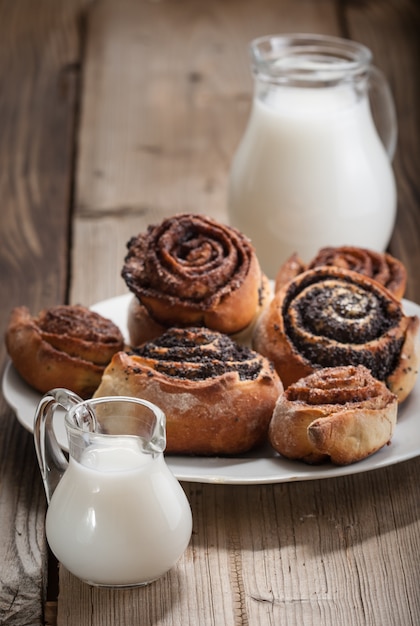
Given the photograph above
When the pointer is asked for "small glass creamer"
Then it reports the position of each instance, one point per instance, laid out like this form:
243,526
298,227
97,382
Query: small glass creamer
117,516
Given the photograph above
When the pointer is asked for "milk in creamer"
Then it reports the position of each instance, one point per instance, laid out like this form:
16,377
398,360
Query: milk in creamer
311,171
118,517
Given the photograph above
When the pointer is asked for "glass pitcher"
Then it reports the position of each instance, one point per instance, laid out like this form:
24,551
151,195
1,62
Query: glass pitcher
117,516
311,170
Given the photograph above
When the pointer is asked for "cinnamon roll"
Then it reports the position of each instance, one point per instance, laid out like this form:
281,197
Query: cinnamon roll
342,413
64,346
330,316
218,397
191,270
382,267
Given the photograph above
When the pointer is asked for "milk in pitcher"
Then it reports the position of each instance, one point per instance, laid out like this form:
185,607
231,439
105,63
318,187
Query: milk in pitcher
311,170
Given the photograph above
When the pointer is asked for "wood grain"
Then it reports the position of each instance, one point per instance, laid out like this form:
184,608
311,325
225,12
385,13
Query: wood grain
39,60
149,129
166,95
303,553
390,29
158,79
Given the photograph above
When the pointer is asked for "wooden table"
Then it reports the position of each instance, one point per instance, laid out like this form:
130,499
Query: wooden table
113,114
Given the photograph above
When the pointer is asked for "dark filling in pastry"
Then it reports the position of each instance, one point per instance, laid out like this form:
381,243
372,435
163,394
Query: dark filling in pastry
334,321
199,354
344,314
187,258
338,386
381,266
79,322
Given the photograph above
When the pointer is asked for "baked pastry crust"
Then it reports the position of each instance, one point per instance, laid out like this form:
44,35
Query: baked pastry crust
218,397
291,268
381,266
341,413
330,316
191,270
142,327
64,346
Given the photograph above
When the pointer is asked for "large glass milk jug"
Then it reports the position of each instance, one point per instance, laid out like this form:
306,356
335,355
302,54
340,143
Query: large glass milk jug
311,169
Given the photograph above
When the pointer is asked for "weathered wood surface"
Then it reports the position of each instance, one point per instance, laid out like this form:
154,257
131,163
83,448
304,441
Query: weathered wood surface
39,65
166,95
391,30
164,98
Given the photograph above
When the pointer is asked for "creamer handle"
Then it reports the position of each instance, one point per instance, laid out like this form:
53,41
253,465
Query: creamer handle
52,462
384,111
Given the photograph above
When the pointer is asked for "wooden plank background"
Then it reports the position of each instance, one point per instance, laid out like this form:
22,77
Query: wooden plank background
39,67
158,78
117,113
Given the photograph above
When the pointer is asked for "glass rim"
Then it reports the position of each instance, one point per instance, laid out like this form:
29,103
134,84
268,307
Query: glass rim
333,58
90,403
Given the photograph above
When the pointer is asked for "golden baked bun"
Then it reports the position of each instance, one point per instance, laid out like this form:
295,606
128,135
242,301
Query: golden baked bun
64,346
330,316
340,413
191,270
142,327
218,397
381,266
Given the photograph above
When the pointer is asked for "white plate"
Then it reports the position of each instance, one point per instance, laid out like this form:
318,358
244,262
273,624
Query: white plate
258,467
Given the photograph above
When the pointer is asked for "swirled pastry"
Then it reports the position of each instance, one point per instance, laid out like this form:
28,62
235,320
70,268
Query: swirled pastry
382,267
329,316
191,270
218,396
341,413
64,346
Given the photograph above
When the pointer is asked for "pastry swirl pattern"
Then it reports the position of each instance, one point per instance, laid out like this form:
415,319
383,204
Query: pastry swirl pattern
191,270
341,413
329,316
199,354
381,266
63,346
218,397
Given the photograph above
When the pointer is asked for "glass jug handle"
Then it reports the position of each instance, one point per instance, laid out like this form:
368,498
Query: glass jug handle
384,113
52,462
